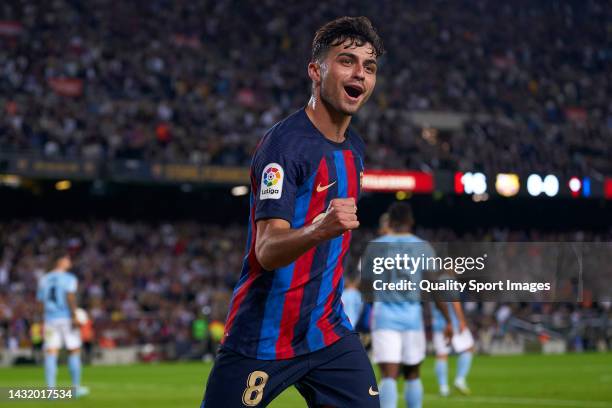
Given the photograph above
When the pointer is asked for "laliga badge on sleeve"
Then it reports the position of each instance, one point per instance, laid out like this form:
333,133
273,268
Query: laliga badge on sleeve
272,182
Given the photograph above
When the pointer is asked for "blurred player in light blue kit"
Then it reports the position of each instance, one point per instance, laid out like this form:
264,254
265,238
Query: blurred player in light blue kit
398,334
462,343
57,292
352,301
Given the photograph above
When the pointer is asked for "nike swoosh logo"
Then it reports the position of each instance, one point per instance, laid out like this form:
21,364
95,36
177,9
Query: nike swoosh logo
323,188
372,392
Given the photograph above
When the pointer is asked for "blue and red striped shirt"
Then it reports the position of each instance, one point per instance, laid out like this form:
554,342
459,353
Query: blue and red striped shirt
296,309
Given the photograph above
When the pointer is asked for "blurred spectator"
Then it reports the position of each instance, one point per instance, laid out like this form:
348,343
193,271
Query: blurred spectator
202,81
170,284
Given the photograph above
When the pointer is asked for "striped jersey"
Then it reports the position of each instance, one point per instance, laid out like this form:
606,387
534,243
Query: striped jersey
295,309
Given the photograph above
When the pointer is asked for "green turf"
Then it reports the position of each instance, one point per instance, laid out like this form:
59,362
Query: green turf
572,380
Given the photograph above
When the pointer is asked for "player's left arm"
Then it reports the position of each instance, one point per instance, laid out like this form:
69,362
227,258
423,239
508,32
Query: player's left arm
441,305
72,301
443,308
460,316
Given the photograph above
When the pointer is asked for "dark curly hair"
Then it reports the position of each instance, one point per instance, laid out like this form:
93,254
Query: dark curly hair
358,30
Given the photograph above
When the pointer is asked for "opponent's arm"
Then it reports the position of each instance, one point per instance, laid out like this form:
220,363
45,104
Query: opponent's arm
72,303
460,316
443,308
277,244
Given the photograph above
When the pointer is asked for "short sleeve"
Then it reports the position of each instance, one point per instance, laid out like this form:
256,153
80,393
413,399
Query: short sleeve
71,284
276,173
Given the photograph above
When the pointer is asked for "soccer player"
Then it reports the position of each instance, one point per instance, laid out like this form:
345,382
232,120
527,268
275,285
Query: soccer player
286,325
351,300
383,224
57,292
398,335
462,343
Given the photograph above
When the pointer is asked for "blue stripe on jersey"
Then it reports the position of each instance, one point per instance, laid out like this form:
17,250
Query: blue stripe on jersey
312,287
340,309
341,172
315,337
250,319
270,327
302,202
244,273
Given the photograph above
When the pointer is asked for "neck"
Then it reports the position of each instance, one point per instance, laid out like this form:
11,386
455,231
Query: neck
331,123
401,231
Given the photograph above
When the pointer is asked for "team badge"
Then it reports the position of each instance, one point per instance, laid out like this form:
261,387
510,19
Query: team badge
272,182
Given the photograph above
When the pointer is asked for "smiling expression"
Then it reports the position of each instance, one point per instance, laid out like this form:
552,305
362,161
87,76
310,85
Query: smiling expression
346,76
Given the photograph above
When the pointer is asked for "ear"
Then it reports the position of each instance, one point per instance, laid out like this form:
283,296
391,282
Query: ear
314,71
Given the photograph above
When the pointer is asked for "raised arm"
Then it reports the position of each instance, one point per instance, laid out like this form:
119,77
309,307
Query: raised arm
277,244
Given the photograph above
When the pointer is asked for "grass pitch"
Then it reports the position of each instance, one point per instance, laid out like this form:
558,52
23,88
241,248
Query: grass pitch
571,380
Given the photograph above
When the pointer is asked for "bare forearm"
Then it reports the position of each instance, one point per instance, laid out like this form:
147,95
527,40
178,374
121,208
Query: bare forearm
458,311
442,307
283,246
72,303
278,245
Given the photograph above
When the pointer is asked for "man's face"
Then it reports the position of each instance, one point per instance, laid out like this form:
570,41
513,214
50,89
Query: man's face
64,263
348,76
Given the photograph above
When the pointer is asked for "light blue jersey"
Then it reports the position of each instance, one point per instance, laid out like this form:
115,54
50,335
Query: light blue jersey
353,304
52,292
401,310
438,323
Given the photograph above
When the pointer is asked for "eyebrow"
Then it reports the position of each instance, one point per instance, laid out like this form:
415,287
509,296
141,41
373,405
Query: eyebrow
369,61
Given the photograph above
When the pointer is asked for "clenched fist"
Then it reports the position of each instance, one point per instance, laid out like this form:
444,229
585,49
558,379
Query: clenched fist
341,216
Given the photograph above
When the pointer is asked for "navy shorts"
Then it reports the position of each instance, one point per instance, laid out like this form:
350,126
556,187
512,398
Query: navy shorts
339,375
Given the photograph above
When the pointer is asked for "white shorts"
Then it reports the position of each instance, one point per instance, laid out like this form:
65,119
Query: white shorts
459,343
392,346
60,333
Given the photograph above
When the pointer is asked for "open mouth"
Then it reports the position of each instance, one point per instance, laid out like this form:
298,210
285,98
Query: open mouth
353,91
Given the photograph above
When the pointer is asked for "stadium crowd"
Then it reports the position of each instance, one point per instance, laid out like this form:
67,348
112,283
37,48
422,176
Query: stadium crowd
202,81
146,283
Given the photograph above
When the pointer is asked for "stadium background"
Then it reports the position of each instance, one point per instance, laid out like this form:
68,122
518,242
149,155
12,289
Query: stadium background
126,132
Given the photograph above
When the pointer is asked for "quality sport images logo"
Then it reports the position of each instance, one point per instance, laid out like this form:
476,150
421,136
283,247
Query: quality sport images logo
272,182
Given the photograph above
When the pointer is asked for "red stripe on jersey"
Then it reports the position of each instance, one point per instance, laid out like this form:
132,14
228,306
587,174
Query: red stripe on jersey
351,174
324,324
301,270
329,336
253,272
